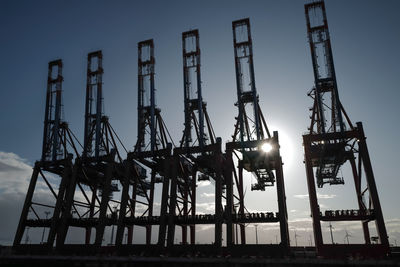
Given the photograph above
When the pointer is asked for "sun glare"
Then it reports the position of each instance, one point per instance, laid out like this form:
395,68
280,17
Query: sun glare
266,147
286,146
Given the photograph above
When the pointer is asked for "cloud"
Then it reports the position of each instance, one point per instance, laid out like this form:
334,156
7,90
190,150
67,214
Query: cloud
321,196
204,227
301,196
14,174
206,207
393,222
326,196
208,194
203,183
4,167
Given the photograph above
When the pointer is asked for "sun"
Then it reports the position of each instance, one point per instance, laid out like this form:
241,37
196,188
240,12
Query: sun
266,147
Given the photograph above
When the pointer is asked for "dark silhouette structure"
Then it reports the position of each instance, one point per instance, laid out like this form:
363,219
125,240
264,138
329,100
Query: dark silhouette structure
97,173
153,149
333,141
108,188
56,164
258,148
199,155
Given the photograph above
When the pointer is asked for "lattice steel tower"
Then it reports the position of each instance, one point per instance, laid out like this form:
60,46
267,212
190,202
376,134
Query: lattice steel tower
58,142
195,108
251,138
332,141
153,149
199,156
97,174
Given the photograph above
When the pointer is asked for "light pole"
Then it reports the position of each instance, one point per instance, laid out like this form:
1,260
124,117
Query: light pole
256,233
236,226
44,228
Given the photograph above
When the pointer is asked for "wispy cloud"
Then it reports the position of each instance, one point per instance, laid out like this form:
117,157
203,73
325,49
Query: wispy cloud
14,174
321,196
208,194
326,196
206,207
204,183
301,196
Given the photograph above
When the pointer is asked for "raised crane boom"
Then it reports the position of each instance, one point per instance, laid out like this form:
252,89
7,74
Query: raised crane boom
329,145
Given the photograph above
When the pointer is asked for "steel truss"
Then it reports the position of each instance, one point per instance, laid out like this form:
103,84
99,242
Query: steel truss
97,174
101,189
55,165
329,145
152,150
199,154
250,135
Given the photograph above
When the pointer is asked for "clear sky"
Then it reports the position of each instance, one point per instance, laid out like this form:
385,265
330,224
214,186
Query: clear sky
365,38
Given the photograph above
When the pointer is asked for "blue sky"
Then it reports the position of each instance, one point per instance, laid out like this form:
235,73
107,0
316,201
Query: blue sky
365,39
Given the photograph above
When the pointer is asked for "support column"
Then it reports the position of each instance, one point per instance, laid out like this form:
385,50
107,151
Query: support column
103,205
361,205
124,203
172,204
25,210
280,187
380,223
151,202
66,177
69,199
185,196
315,212
193,206
164,205
91,214
218,204
241,204
229,201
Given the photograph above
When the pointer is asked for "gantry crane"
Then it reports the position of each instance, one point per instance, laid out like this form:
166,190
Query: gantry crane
333,141
97,173
199,155
152,150
260,151
54,170
85,193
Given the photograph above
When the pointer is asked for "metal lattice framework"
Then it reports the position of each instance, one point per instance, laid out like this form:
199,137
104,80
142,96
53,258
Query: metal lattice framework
250,137
152,150
102,190
97,174
195,108
199,155
55,168
333,141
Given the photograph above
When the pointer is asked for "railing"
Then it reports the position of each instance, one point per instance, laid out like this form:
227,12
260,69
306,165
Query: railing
348,215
